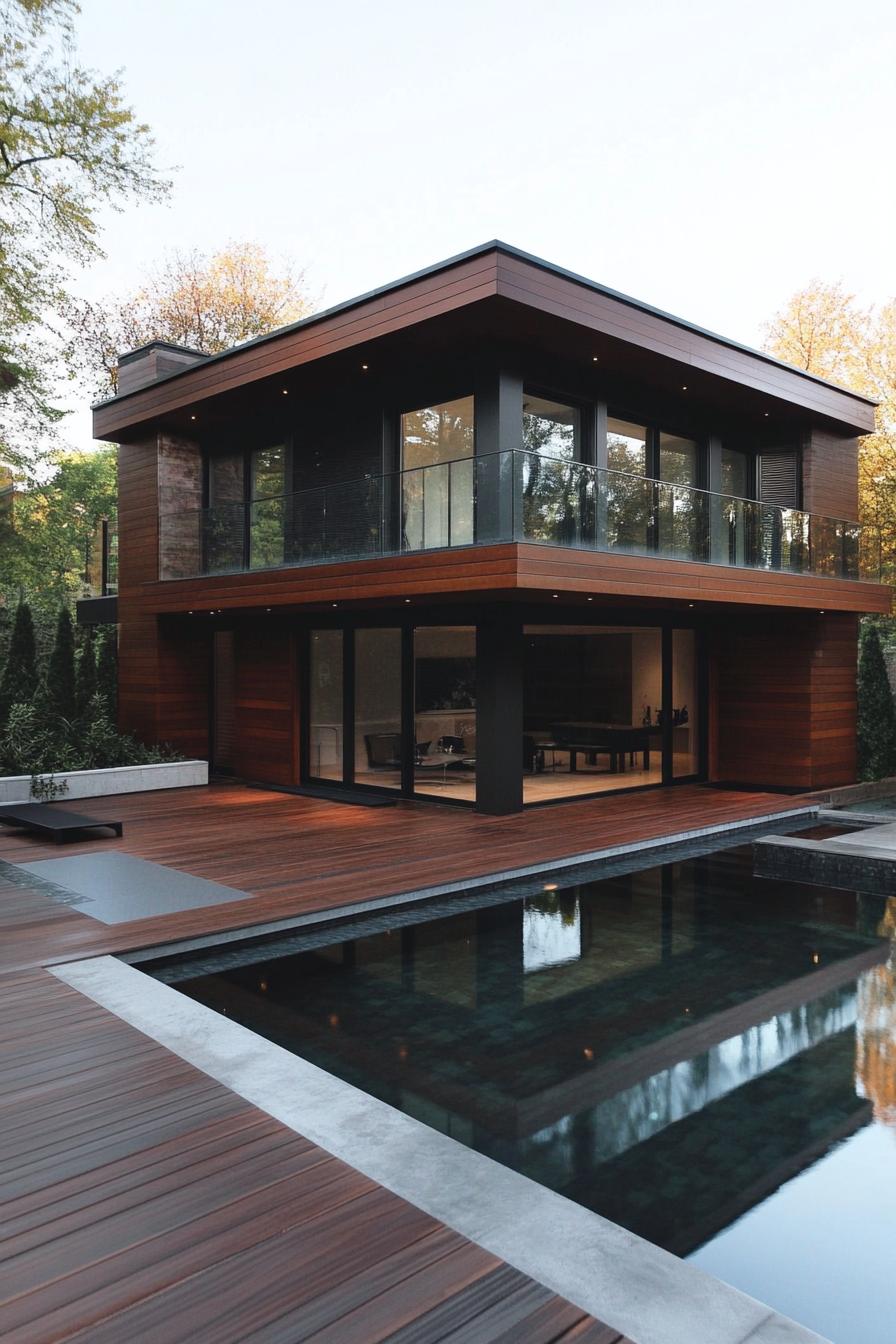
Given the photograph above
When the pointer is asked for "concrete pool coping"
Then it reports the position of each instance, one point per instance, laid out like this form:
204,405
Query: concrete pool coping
639,1289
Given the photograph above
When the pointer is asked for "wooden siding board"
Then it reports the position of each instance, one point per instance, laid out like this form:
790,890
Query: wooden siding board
419,301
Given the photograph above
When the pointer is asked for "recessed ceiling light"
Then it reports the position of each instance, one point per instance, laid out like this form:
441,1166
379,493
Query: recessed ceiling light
594,359
407,599
286,391
765,413
684,387
555,594
365,367
335,604
192,417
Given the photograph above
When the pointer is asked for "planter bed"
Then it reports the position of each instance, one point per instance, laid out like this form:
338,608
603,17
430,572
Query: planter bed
120,779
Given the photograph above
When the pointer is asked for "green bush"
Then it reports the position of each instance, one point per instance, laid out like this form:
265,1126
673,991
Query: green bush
59,685
64,719
31,744
20,676
85,678
107,670
877,714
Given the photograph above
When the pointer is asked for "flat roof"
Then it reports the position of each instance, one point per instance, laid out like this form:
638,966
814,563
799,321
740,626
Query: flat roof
495,245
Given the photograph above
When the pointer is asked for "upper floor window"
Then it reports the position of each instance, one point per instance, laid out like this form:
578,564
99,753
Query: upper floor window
268,472
551,428
435,434
626,446
735,473
437,444
679,460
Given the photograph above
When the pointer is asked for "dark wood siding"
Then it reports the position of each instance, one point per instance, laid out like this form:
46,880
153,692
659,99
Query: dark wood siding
266,705
785,702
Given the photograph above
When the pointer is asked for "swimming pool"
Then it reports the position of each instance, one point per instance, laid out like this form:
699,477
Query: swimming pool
703,1057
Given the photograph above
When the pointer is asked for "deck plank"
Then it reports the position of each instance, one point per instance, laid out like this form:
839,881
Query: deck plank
141,1199
295,855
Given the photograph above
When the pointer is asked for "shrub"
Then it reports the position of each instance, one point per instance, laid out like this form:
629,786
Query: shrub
66,721
85,678
107,671
877,715
58,696
19,680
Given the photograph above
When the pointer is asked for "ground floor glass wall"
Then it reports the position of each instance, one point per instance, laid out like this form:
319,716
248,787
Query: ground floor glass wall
592,710
604,708
445,711
377,677
325,707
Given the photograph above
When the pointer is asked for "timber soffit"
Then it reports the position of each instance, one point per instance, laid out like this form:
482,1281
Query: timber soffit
484,249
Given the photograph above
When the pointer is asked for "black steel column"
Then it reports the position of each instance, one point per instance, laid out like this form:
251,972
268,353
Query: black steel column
499,429
499,715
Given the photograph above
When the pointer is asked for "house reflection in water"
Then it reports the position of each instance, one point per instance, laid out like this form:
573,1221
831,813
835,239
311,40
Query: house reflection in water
664,1047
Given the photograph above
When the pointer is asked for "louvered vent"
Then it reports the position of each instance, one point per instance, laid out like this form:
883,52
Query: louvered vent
778,479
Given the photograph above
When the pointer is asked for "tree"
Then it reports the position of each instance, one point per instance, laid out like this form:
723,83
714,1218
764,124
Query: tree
208,303
69,146
59,689
823,330
107,671
54,525
85,678
877,715
19,680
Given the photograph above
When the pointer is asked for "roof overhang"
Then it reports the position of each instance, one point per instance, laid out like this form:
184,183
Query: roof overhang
473,283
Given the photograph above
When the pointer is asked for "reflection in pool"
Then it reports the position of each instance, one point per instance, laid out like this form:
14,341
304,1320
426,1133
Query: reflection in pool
705,1058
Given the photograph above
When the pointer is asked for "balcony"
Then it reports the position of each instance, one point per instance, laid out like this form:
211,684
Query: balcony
514,496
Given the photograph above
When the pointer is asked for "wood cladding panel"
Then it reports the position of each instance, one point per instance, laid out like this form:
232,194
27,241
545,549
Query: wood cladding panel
419,300
785,702
508,567
488,274
563,296
265,705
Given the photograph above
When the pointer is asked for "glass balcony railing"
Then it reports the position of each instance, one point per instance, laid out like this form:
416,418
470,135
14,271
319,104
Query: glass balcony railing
510,496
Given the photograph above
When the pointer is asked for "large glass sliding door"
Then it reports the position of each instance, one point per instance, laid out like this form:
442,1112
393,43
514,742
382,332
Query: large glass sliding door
377,704
393,708
445,712
595,712
325,705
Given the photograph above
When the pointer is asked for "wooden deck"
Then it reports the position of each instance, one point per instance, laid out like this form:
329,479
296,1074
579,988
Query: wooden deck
295,854
142,1200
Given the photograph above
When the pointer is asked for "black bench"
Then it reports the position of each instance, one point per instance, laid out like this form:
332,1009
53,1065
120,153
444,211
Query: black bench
52,820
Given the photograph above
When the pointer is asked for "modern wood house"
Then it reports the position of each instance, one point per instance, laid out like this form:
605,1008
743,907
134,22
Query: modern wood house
496,535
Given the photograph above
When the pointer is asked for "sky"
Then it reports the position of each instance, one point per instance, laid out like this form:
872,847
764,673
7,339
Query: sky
706,157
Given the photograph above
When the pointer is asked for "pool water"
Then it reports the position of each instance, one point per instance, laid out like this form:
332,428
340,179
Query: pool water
706,1058
885,807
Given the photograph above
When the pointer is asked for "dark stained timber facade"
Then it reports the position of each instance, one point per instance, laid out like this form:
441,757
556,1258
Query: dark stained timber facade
495,536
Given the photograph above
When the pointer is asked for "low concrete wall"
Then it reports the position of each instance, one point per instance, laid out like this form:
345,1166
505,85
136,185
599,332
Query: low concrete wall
121,779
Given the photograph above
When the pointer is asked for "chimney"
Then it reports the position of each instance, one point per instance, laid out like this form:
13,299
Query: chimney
149,363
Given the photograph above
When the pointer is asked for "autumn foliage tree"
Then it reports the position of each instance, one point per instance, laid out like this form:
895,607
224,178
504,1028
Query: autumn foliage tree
823,329
205,302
